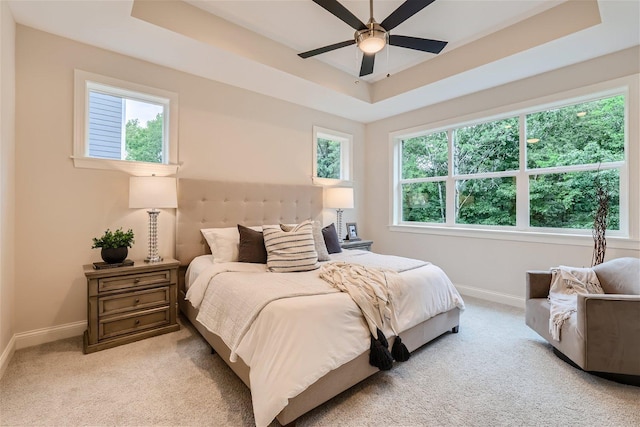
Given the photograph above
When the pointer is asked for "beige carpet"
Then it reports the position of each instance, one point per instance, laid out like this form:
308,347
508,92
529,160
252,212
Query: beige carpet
495,372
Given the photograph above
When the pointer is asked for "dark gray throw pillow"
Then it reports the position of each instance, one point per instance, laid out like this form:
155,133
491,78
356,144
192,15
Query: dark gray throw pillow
251,247
331,239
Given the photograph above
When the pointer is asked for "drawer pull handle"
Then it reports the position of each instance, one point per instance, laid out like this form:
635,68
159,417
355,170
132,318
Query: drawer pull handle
137,301
137,322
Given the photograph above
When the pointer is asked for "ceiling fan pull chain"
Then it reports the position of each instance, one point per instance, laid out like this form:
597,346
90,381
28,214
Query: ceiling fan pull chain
387,48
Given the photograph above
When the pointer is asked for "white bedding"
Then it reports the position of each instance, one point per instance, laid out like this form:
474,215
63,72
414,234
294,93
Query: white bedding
295,341
197,266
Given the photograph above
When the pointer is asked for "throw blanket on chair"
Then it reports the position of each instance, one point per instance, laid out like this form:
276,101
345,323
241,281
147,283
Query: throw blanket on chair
371,289
566,284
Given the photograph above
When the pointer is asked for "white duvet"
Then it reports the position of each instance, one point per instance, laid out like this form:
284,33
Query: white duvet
293,341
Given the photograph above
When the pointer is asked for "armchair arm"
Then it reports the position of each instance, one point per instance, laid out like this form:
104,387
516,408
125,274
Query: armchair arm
610,327
538,284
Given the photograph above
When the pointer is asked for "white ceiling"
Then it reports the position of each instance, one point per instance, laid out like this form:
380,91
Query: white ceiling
253,44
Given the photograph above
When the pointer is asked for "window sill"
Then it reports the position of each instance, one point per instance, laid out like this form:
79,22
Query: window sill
133,168
615,242
328,182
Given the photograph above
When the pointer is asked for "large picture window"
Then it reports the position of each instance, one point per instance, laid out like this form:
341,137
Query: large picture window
533,171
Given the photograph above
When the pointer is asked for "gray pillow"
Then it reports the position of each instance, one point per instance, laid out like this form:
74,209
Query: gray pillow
331,239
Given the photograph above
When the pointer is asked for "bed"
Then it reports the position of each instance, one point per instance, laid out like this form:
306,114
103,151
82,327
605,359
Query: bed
208,204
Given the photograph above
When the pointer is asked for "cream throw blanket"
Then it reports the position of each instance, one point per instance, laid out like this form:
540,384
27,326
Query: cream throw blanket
566,284
370,288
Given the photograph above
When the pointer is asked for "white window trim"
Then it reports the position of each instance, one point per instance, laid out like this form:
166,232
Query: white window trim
346,156
83,81
628,237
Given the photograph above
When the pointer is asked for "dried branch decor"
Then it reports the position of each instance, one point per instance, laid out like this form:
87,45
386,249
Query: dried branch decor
600,222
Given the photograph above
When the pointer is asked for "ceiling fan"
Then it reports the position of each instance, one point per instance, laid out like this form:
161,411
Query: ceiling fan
372,37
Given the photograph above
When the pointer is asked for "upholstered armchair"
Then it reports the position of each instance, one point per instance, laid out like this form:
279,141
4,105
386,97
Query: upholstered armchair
603,336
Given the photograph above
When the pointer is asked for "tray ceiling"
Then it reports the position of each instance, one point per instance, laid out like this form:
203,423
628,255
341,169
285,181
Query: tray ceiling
254,44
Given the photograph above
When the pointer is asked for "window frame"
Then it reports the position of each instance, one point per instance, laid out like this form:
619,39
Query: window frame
84,82
625,237
346,156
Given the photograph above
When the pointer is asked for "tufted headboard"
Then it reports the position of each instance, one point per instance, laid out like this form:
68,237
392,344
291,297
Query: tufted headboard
209,204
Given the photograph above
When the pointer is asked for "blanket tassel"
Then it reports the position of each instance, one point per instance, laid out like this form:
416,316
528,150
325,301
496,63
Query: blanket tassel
382,338
379,355
399,351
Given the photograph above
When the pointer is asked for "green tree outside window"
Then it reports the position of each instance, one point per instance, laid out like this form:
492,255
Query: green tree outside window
144,144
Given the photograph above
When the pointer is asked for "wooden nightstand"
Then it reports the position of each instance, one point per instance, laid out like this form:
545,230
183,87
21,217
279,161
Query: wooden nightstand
127,304
357,244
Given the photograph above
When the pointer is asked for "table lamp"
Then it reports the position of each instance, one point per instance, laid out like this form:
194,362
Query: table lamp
153,193
339,198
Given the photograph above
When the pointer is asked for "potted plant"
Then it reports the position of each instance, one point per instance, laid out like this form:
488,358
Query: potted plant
115,245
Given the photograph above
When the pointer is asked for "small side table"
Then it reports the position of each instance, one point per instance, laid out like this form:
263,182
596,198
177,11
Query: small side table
126,304
357,244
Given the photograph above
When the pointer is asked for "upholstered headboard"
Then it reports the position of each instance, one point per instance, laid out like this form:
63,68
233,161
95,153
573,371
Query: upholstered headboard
209,204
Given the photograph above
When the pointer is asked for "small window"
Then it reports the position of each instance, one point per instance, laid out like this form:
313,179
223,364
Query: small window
331,156
121,125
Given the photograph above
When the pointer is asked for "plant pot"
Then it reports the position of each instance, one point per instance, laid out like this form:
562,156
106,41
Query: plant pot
114,255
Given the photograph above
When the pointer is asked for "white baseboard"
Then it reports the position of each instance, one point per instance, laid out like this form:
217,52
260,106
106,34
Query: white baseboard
39,336
7,354
45,335
491,295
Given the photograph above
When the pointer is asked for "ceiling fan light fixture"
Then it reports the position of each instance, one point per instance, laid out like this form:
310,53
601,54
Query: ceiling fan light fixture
373,39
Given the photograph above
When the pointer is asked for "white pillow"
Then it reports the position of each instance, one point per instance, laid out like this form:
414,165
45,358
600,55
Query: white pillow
224,242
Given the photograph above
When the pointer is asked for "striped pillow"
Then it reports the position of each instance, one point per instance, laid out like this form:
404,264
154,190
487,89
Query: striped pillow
289,251
321,247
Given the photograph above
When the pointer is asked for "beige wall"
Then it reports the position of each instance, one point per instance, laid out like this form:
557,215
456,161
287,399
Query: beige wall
485,265
7,192
224,133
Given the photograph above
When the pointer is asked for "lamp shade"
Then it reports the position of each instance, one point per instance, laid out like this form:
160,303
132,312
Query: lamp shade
339,198
153,192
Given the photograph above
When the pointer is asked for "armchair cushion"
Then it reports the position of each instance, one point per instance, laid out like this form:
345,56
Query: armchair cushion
619,276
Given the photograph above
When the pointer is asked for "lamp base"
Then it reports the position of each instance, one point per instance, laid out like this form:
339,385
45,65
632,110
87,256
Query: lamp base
339,221
153,236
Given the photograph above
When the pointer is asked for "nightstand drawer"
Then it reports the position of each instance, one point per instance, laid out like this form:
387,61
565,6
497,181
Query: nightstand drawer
121,325
139,300
134,280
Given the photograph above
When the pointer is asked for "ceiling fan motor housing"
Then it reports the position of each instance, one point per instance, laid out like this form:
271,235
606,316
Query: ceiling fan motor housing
372,39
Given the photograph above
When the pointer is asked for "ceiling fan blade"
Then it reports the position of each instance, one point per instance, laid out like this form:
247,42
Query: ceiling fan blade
367,64
405,11
341,12
415,43
324,49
